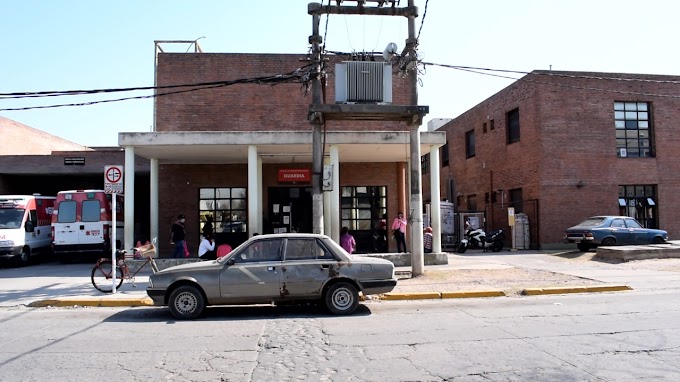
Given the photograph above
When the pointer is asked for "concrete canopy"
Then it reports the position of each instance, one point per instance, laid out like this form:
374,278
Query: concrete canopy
275,146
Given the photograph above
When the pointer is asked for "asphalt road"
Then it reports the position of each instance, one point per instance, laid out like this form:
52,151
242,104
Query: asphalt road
596,337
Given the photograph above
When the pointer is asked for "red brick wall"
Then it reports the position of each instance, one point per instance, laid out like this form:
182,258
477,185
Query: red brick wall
567,137
248,107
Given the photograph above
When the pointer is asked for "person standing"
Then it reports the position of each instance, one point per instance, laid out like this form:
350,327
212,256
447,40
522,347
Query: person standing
399,231
177,236
208,226
427,240
347,241
206,250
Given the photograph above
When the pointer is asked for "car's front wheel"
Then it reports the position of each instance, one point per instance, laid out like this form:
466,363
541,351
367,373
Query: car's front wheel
342,298
658,240
186,302
583,247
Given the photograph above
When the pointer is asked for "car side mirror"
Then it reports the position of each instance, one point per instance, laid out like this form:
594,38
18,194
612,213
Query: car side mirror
29,226
231,262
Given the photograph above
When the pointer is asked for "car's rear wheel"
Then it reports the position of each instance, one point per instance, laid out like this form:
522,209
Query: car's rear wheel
342,298
186,302
583,247
608,242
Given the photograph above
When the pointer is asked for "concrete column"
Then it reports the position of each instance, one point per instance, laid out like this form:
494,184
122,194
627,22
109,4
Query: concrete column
129,230
260,206
335,195
435,207
153,203
252,190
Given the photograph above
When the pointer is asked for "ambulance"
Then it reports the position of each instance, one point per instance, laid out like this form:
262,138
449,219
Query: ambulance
25,227
82,223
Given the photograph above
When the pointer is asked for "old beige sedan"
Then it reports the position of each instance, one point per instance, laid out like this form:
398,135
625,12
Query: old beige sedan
273,268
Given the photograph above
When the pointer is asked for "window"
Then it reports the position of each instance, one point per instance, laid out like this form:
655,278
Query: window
491,124
425,164
633,129
306,249
472,202
445,154
618,223
640,203
91,211
513,126
470,144
260,251
516,199
362,207
67,211
226,205
484,127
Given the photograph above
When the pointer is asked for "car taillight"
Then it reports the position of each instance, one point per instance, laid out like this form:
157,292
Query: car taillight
106,232
52,233
589,234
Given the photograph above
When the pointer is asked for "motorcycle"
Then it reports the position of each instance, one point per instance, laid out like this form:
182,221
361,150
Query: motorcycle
477,238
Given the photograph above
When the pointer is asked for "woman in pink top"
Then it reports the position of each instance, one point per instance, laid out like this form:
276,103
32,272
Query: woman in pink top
347,241
399,232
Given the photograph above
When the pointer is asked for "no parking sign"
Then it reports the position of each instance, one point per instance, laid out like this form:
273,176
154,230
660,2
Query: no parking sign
113,179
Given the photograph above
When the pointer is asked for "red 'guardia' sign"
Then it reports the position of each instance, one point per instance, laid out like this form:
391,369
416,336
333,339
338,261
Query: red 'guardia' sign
295,175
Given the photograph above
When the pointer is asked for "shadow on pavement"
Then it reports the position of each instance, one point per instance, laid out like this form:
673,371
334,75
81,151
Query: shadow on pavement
232,313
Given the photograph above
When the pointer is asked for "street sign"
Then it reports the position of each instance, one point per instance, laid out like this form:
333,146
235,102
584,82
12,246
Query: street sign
113,179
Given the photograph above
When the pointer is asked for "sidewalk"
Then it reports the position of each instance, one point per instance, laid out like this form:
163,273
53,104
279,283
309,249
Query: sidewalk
473,274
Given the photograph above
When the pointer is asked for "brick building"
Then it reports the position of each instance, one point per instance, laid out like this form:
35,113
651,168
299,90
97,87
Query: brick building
563,146
242,153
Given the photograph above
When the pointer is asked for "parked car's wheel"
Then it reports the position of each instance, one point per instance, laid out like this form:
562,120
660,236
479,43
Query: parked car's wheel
462,248
583,247
658,240
342,298
497,245
186,302
24,257
608,242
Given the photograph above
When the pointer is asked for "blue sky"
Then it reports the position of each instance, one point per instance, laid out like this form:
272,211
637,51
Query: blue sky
69,45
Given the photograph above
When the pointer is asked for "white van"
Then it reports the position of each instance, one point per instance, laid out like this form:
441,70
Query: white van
82,223
25,226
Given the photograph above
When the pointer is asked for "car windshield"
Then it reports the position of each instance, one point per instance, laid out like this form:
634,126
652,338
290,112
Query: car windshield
11,217
592,222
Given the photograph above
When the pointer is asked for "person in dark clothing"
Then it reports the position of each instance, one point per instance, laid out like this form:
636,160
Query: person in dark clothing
208,226
177,236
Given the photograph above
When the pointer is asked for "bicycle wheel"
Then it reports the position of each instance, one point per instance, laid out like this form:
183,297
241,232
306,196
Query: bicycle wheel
102,277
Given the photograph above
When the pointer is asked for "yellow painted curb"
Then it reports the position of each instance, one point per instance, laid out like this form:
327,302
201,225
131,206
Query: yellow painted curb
473,293
411,296
94,301
579,289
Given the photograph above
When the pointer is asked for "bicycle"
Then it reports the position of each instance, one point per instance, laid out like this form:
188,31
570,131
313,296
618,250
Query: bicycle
102,278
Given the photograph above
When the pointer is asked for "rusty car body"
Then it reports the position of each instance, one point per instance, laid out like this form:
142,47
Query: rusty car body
273,268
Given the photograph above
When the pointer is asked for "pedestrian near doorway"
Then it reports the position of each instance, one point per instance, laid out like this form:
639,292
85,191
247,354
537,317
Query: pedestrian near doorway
347,241
206,250
399,232
177,236
208,226
427,240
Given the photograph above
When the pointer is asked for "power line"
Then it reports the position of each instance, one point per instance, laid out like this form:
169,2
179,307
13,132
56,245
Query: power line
423,20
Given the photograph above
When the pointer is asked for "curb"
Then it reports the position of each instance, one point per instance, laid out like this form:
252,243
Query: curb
106,301
440,295
93,301
582,289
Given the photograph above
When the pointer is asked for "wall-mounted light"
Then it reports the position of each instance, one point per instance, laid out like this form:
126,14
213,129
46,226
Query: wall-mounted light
580,184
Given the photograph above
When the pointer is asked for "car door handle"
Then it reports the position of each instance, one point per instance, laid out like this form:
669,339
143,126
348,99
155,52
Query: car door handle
82,227
271,268
325,266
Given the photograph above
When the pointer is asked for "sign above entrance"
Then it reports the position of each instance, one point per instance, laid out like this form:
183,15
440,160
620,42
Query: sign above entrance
295,175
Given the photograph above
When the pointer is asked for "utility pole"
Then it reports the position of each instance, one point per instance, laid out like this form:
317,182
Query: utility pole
416,200
316,119
412,114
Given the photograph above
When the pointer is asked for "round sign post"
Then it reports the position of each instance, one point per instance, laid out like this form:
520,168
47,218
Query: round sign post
113,184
